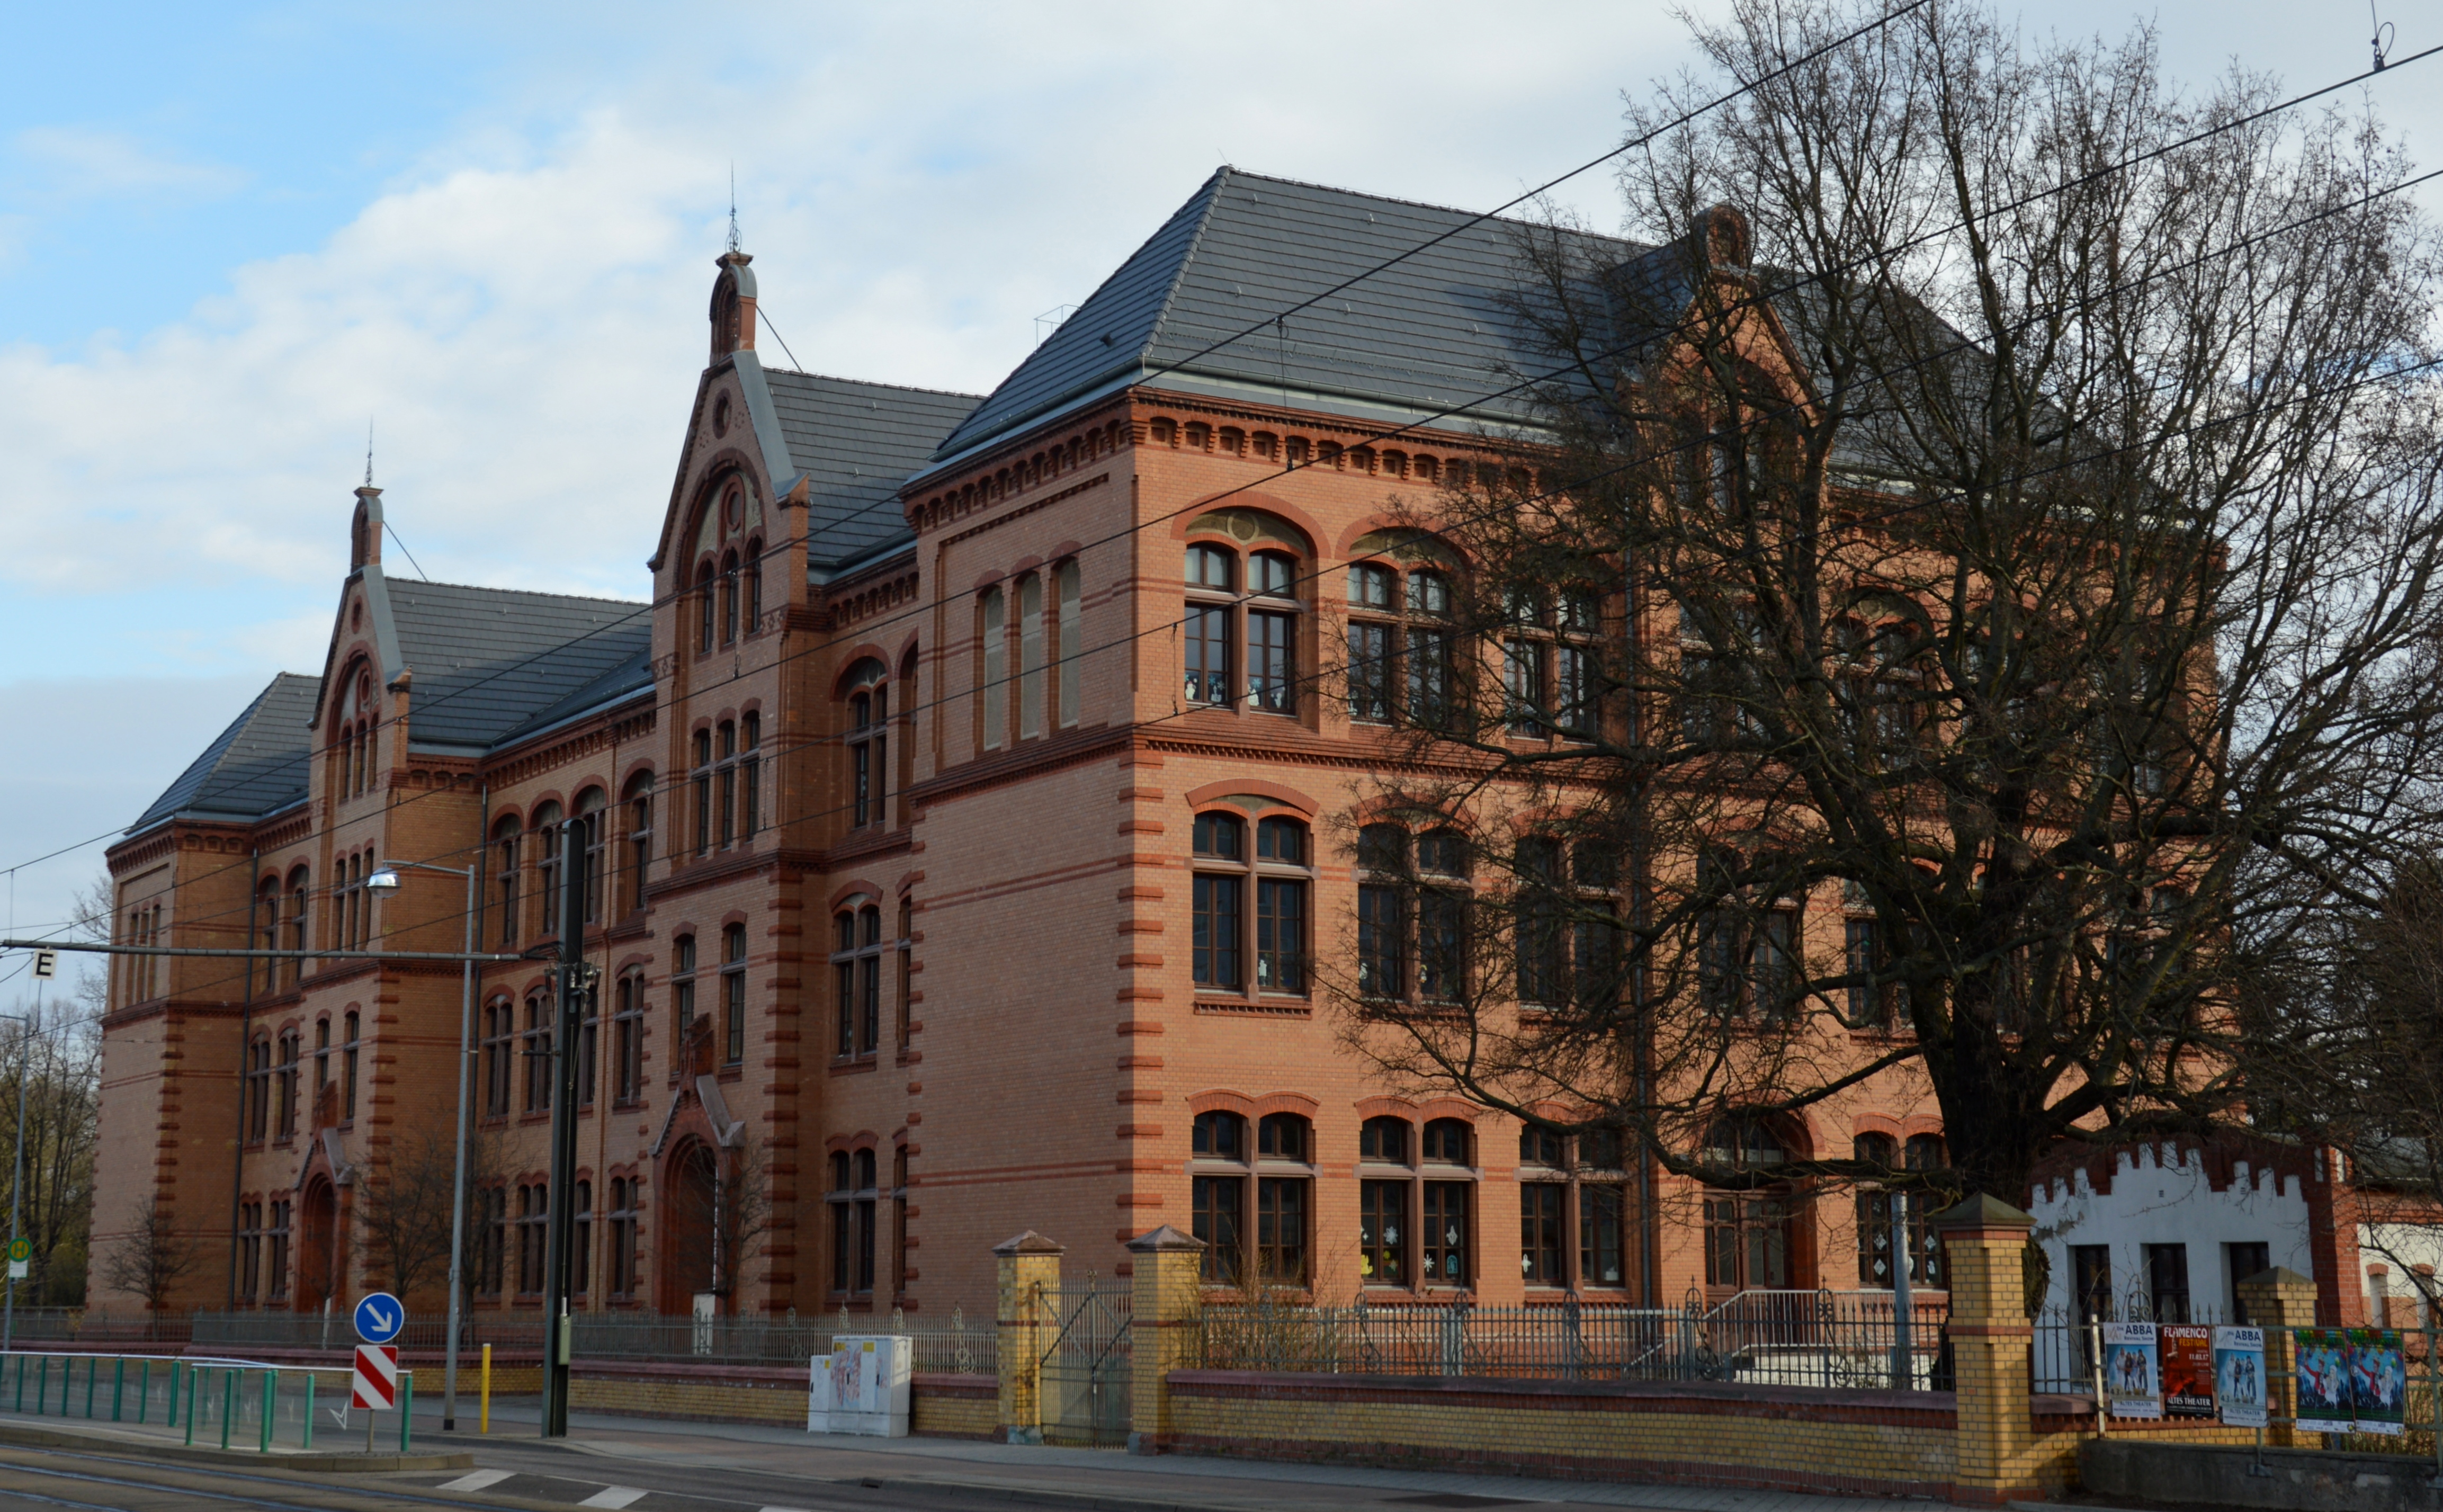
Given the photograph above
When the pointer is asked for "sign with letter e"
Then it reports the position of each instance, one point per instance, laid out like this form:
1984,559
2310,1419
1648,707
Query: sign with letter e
376,1386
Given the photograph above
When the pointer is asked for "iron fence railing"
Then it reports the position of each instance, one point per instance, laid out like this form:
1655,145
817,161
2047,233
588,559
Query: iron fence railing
956,1343
1829,1338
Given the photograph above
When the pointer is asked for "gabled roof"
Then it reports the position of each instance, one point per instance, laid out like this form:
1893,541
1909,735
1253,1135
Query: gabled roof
1404,343
257,766
856,443
487,661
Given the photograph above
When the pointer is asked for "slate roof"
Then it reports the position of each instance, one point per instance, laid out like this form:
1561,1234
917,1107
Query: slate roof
1404,343
256,766
490,661
856,443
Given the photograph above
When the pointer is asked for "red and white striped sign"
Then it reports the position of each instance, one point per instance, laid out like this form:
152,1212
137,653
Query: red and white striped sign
376,1382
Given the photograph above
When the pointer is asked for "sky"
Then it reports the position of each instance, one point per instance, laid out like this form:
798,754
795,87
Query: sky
234,236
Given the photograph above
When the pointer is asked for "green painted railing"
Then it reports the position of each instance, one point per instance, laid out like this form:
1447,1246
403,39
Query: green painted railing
197,1396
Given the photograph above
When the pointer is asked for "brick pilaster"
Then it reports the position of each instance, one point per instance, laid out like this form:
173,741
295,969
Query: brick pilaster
1164,1315
1983,1239
1029,1268
2279,1300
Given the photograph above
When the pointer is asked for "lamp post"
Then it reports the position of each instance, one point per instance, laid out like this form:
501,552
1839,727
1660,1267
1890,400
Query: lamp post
385,879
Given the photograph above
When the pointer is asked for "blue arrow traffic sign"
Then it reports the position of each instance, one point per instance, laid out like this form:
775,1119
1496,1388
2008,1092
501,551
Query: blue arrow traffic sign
379,1317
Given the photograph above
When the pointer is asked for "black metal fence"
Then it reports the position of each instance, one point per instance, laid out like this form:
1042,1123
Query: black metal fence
1830,1338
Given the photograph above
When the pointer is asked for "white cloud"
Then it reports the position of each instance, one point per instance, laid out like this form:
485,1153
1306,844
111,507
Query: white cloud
81,163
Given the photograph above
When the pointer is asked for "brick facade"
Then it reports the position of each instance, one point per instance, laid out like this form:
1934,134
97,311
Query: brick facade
1040,1047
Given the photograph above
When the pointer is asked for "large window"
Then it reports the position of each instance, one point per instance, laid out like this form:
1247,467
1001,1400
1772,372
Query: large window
628,1041
1243,644
500,1030
992,628
869,743
681,1002
1269,1173
640,841
857,976
534,1222
505,875
1431,1173
1399,644
1748,1230
277,1233
547,847
1412,913
853,1201
1747,947
1236,949
349,1052
590,848
700,780
534,1051
286,1082
1572,1186
733,994
258,1089
619,1257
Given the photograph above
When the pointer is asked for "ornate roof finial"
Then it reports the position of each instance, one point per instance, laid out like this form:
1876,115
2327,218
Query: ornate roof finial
733,207
369,450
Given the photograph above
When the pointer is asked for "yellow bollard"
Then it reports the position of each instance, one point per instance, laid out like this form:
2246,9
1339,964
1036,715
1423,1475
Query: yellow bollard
485,1422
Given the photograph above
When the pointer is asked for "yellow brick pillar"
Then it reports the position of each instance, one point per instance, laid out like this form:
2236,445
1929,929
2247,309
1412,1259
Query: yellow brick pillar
2279,1300
1029,1268
1994,1459
1164,1328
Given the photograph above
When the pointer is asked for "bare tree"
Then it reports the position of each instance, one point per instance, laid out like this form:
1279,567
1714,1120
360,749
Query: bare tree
729,1205
1950,616
403,1210
57,1049
151,1257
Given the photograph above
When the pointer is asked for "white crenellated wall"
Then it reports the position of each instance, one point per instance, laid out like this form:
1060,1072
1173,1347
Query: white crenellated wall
2154,1203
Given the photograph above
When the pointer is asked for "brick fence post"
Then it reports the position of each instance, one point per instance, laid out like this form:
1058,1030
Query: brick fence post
2277,1301
1983,1239
1029,1268
1162,1322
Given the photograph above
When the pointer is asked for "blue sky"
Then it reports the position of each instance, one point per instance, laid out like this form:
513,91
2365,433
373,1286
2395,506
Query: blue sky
230,233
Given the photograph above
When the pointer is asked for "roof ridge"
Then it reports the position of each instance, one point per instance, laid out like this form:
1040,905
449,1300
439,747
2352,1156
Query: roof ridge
1212,192
401,585
872,383
1420,204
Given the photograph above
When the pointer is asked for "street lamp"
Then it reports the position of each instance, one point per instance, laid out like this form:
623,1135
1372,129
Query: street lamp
386,880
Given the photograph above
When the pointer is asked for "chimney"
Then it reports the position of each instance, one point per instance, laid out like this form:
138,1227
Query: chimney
733,305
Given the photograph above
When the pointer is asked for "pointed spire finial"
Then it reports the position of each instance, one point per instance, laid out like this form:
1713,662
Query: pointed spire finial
369,452
733,207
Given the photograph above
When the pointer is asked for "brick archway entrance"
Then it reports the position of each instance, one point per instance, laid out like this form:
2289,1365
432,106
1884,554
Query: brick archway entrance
691,1199
319,1266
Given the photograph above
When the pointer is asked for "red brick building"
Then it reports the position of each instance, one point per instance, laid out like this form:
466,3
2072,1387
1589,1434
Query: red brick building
962,809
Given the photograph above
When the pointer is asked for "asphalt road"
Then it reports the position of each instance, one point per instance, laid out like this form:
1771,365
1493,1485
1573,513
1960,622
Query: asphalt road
511,1476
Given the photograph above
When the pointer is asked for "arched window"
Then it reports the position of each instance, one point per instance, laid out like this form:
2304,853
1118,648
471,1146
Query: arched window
733,994
705,609
869,743
1581,1178
1399,644
754,585
1384,1237
1031,669
853,1200
505,875
725,782
1265,623
857,970
547,901
499,1053
1276,874
594,836
1412,915
639,804
993,631
1070,670
300,882
267,932
348,1054
728,597
1748,1230
702,781
628,1041
1218,1197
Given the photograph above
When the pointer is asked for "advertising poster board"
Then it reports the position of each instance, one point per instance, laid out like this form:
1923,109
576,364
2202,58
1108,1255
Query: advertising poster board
2239,1376
2188,1370
2379,1380
2324,1356
2131,1376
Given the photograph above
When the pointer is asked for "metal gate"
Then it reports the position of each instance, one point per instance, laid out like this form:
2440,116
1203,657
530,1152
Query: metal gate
1085,1370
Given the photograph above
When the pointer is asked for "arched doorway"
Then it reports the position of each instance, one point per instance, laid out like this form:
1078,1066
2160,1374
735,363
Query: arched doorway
690,1209
318,1259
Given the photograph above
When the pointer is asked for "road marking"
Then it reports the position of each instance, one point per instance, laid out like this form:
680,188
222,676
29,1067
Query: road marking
614,1496
476,1482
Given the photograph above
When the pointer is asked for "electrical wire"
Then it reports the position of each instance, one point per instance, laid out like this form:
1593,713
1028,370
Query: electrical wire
1757,299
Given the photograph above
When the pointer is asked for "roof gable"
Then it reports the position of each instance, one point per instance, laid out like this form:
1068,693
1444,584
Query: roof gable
489,660
256,766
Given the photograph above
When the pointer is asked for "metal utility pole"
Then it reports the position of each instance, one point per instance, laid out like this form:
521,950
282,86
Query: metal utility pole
559,1225
1904,1300
17,1182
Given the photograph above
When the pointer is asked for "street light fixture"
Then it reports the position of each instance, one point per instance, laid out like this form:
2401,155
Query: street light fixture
386,880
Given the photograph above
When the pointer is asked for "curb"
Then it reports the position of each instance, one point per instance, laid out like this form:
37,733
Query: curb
28,1436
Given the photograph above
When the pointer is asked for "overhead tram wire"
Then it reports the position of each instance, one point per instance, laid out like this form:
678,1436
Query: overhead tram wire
1757,300
677,781
1315,677
1312,679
